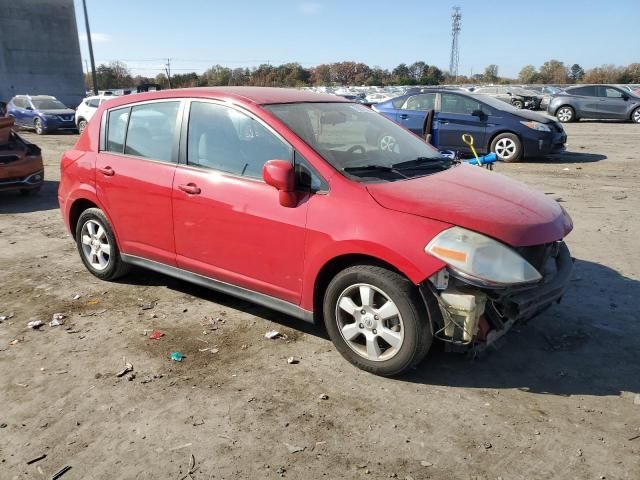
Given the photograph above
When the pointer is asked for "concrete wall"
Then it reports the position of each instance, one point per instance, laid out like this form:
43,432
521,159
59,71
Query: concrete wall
39,50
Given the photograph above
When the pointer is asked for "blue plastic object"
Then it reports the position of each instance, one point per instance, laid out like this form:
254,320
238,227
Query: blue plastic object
484,160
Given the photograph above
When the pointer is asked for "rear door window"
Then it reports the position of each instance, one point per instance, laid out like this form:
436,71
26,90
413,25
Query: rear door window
610,92
424,102
151,131
585,91
226,139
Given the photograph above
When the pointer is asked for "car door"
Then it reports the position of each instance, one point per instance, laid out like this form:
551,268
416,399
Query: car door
413,112
18,112
585,101
228,223
455,117
134,176
613,103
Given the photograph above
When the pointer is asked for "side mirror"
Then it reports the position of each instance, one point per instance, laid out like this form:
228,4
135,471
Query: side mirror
478,113
28,108
625,97
280,174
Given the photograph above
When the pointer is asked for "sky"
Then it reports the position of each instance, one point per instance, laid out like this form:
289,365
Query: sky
196,34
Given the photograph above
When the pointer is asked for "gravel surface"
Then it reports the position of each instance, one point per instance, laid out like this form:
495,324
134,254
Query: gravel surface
560,398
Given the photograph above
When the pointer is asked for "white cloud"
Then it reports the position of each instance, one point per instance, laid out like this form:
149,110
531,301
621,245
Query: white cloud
96,37
309,8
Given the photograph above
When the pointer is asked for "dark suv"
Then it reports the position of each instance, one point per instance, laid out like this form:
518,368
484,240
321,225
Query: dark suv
43,113
595,101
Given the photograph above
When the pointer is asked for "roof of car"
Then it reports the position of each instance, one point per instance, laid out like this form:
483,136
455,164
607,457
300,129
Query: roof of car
257,95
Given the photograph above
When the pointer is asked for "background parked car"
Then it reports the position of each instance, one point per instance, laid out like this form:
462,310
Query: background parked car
516,96
87,108
496,126
545,92
595,101
42,113
21,165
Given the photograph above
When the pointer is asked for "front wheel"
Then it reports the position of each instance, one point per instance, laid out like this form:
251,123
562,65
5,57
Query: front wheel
635,116
38,127
507,147
376,320
566,114
97,245
518,104
82,124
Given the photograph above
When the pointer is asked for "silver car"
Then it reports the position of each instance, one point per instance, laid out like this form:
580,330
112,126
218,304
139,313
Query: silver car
595,101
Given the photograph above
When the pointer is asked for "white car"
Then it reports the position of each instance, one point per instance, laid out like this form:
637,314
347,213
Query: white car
87,108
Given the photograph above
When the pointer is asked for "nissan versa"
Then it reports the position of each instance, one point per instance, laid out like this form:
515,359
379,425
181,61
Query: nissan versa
284,198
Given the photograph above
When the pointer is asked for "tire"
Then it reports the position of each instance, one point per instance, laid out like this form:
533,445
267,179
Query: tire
507,146
394,311
635,116
565,114
518,104
82,124
38,127
91,241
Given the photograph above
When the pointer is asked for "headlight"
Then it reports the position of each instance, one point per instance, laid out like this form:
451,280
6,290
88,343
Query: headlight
541,127
481,259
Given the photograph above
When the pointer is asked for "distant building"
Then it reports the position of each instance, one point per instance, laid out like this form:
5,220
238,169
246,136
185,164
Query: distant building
39,50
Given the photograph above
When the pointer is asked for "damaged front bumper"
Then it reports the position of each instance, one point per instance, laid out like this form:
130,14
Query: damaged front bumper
473,316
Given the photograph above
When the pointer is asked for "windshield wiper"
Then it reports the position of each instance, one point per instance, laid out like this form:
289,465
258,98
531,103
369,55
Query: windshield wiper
371,167
424,162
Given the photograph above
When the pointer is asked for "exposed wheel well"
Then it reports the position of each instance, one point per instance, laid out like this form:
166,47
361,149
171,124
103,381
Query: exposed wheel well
77,208
331,268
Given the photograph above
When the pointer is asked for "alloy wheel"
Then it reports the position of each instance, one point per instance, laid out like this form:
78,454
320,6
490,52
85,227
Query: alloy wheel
82,125
95,245
387,143
565,114
369,322
38,126
636,115
505,148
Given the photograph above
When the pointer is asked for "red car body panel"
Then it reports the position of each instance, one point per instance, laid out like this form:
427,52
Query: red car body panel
236,231
479,200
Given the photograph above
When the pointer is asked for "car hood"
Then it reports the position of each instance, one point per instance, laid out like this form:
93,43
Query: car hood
529,115
480,200
61,111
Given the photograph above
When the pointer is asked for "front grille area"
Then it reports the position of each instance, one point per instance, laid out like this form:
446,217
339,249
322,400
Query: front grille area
538,255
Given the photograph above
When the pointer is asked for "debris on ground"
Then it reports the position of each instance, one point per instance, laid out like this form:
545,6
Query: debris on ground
294,448
292,360
273,334
57,319
61,472
176,356
35,324
128,367
620,196
424,463
14,342
37,459
192,467
156,335
324,396
487,445
77,296
147,306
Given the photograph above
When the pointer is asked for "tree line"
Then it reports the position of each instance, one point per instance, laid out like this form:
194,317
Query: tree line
116,75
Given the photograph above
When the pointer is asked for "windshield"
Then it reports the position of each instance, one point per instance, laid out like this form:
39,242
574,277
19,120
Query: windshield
48,104
359,142
494,102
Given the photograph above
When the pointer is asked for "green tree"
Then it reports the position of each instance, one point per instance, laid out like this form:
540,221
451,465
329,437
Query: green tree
491,74
554,71
576,73
528,74
113,75
631,73
402,75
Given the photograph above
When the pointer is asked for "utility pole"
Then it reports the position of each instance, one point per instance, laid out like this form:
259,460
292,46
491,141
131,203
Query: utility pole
94,79
167,69
456,26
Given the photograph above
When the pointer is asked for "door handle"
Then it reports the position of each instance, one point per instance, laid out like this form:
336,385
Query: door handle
443,122
107,171
190,188
404,116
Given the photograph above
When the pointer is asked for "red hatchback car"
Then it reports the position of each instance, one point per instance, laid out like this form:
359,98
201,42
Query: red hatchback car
290,199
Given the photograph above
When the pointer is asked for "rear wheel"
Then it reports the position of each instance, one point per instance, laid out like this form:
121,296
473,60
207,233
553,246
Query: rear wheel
97,245
376,320
38,127
507,147
635,116
566,114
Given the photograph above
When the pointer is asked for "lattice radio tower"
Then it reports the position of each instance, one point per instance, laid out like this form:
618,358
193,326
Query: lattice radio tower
456,26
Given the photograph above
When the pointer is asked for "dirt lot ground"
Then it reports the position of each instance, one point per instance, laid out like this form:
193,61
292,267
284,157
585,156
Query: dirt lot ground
559,399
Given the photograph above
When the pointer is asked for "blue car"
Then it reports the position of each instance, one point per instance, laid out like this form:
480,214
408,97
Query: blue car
41,113
496,126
